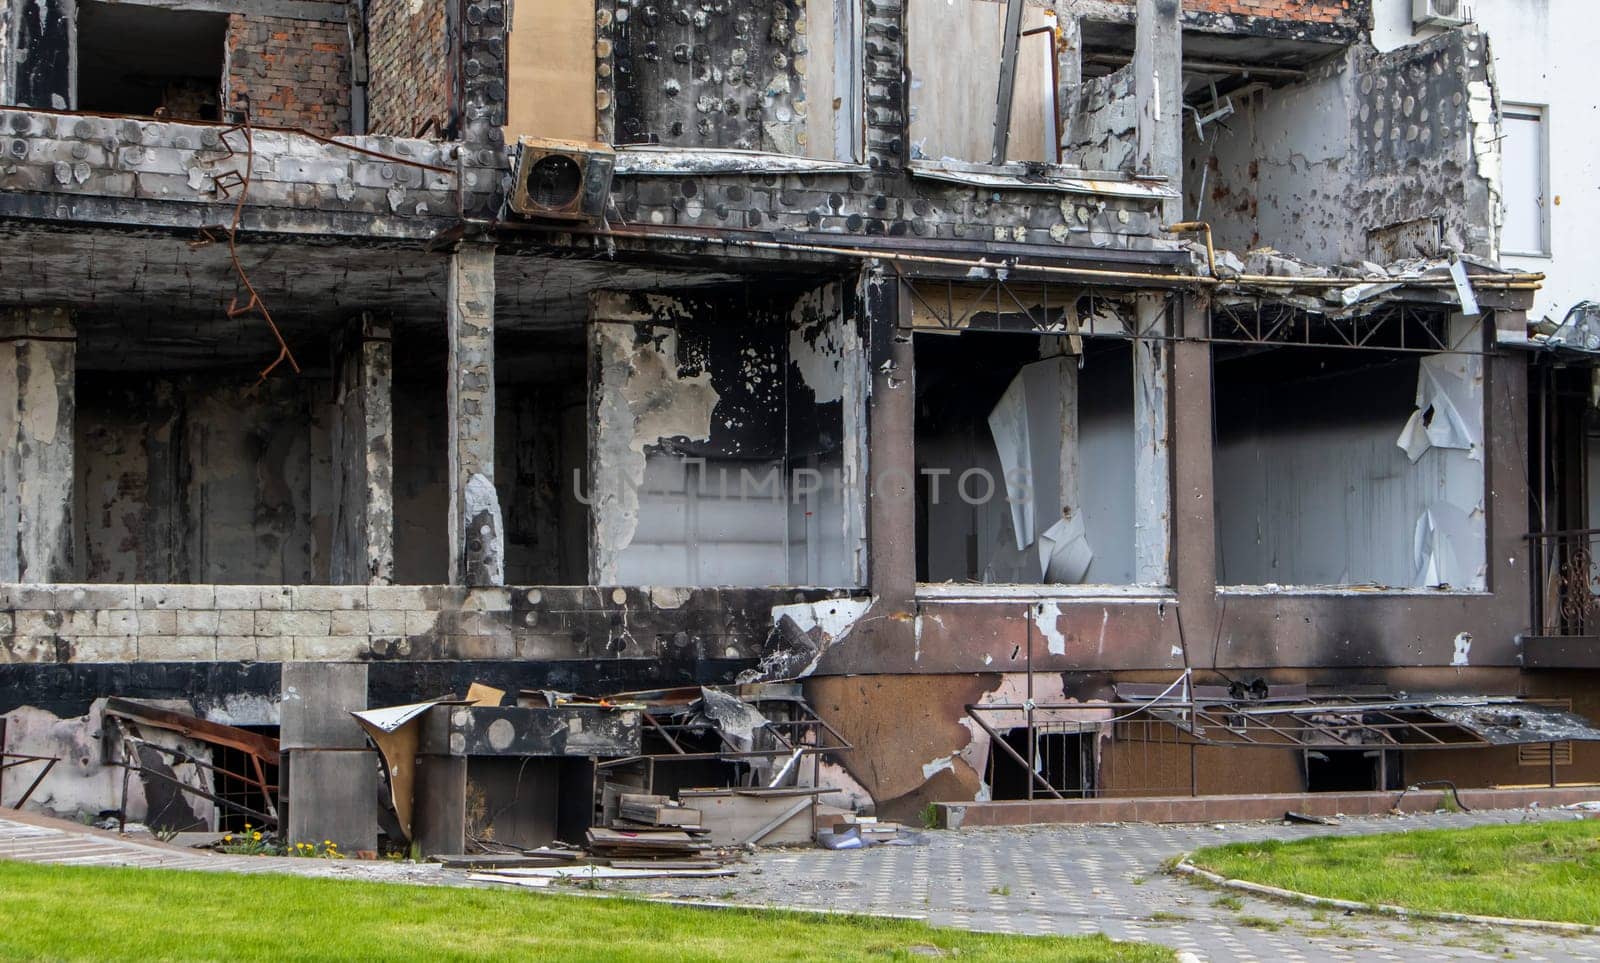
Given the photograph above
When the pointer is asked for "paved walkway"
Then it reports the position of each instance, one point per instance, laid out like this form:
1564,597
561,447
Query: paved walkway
1108,879
1060,879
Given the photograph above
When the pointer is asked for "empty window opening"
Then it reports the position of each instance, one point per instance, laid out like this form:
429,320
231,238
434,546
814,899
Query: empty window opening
953,110
1066,760
138,59
1351,770
1349,468
1025,460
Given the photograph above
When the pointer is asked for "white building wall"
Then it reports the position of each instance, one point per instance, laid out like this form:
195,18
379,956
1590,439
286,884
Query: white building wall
1543,54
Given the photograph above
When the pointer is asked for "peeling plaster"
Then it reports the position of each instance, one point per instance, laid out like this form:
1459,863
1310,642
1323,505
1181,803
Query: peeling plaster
1046,619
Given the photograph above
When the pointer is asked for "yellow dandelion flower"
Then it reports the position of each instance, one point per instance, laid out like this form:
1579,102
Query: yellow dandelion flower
228,838
256,837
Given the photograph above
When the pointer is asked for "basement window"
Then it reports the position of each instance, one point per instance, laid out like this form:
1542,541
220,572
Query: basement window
1066,760
1025,460
147,61
954,53
1350,770
1349,468
777,77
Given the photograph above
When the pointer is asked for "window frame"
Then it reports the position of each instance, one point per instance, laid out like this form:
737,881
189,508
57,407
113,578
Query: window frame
1539,113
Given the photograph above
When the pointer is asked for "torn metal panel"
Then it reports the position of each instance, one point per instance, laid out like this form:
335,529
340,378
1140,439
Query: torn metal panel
737,720
394,733
1449,407
1035,432
1335,722
802,634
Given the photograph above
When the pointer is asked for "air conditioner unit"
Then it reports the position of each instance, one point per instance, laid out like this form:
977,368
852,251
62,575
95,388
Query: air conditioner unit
562,180
1440,13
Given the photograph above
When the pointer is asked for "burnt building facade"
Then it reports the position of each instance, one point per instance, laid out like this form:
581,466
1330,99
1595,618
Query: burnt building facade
1127,392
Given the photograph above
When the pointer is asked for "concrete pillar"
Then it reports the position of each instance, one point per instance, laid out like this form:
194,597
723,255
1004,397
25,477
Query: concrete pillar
476,532
1194,534
891,450
331,783
363,456
38,373
1158,89
1152,478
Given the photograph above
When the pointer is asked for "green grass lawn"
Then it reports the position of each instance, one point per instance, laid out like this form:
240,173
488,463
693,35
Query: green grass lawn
79,913
1543,871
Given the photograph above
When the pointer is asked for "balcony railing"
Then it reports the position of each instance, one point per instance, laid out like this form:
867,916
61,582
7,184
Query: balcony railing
1566,583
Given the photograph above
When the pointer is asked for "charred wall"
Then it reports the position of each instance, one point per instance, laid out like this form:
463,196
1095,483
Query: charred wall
712,75
1325,169
205,479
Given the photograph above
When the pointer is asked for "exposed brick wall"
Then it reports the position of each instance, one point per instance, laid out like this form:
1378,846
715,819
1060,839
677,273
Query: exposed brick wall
408,63
1315,11
296,73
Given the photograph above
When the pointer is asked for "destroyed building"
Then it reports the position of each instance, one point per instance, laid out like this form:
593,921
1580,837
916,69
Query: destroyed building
1083,400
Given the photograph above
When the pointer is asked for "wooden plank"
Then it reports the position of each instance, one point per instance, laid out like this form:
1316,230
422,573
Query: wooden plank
550,54
660,815
1010,38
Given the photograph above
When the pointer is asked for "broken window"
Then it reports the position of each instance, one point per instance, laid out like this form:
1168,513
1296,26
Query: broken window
954,51
780,76
1349,468
726,440
144,60
1525,175
1025,459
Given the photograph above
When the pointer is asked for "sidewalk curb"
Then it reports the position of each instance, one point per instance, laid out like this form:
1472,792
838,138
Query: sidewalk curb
1186,868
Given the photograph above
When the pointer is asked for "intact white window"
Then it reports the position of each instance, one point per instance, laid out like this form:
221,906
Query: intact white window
1525,180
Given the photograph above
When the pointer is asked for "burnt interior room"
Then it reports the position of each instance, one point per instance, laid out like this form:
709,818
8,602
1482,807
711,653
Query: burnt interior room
139,59
1374,489
1067,423
744,402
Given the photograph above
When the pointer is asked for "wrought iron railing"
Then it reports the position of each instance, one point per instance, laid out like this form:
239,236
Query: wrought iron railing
1566,582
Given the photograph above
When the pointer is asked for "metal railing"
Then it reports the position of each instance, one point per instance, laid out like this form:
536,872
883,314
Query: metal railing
1566,582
